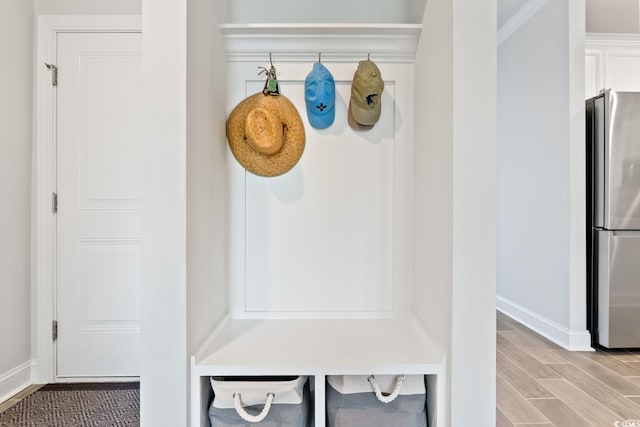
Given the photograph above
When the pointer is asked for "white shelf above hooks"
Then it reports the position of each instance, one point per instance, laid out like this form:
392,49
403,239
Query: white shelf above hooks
337,42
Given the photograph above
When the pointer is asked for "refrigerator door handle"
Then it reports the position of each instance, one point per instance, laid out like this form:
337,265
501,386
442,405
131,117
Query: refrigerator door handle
599,160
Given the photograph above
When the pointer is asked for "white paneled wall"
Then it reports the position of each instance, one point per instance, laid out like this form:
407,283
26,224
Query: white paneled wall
612,62
329,238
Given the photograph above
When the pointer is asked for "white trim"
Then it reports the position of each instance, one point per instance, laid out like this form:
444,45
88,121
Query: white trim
573,340
48,27
15,380
598,54
525,13
577,171
598,40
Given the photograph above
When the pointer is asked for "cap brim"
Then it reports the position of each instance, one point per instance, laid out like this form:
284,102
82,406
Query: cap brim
353,123
366,116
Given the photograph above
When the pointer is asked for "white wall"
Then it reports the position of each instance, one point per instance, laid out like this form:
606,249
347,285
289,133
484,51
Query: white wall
16,21
538,256
612,16
473,324
433,175
356,11
164,364
207,174
533,158
455,198
87,7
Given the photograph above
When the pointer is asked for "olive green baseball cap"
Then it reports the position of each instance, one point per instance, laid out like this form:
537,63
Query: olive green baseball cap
366,94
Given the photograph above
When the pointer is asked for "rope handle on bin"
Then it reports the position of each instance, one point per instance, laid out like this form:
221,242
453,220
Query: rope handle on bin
237,403
391,396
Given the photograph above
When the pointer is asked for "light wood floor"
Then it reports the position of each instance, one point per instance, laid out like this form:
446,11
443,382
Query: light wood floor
540,384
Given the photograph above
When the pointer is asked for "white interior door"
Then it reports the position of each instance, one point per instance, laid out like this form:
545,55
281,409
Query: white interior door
99,173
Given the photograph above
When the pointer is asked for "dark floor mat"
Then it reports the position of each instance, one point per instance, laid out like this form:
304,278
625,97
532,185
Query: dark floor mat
77,405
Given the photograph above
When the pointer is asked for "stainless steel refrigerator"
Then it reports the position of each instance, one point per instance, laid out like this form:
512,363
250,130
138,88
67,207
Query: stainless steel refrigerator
613,218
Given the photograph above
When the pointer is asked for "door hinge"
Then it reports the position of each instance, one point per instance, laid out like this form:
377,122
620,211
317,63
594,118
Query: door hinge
54,330
54,73
54,202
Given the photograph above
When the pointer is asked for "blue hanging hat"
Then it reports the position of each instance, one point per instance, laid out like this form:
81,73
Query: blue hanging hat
320,97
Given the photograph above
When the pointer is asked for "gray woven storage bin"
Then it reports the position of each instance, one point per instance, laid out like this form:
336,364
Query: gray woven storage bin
279,415
365,410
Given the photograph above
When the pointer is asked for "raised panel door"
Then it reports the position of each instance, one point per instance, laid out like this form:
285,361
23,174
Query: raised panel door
99,173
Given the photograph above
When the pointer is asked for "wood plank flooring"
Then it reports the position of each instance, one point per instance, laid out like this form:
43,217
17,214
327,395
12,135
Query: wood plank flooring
540,384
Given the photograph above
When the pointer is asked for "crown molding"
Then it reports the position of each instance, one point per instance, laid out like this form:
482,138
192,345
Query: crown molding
519,19
597,40
336,42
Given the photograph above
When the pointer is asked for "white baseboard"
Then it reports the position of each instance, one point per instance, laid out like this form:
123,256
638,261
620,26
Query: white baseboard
573,340
15,380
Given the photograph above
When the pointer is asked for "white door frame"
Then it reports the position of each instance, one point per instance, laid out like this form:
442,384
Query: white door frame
44,177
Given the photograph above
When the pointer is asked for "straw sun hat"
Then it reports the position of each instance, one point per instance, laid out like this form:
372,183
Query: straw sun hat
266,134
